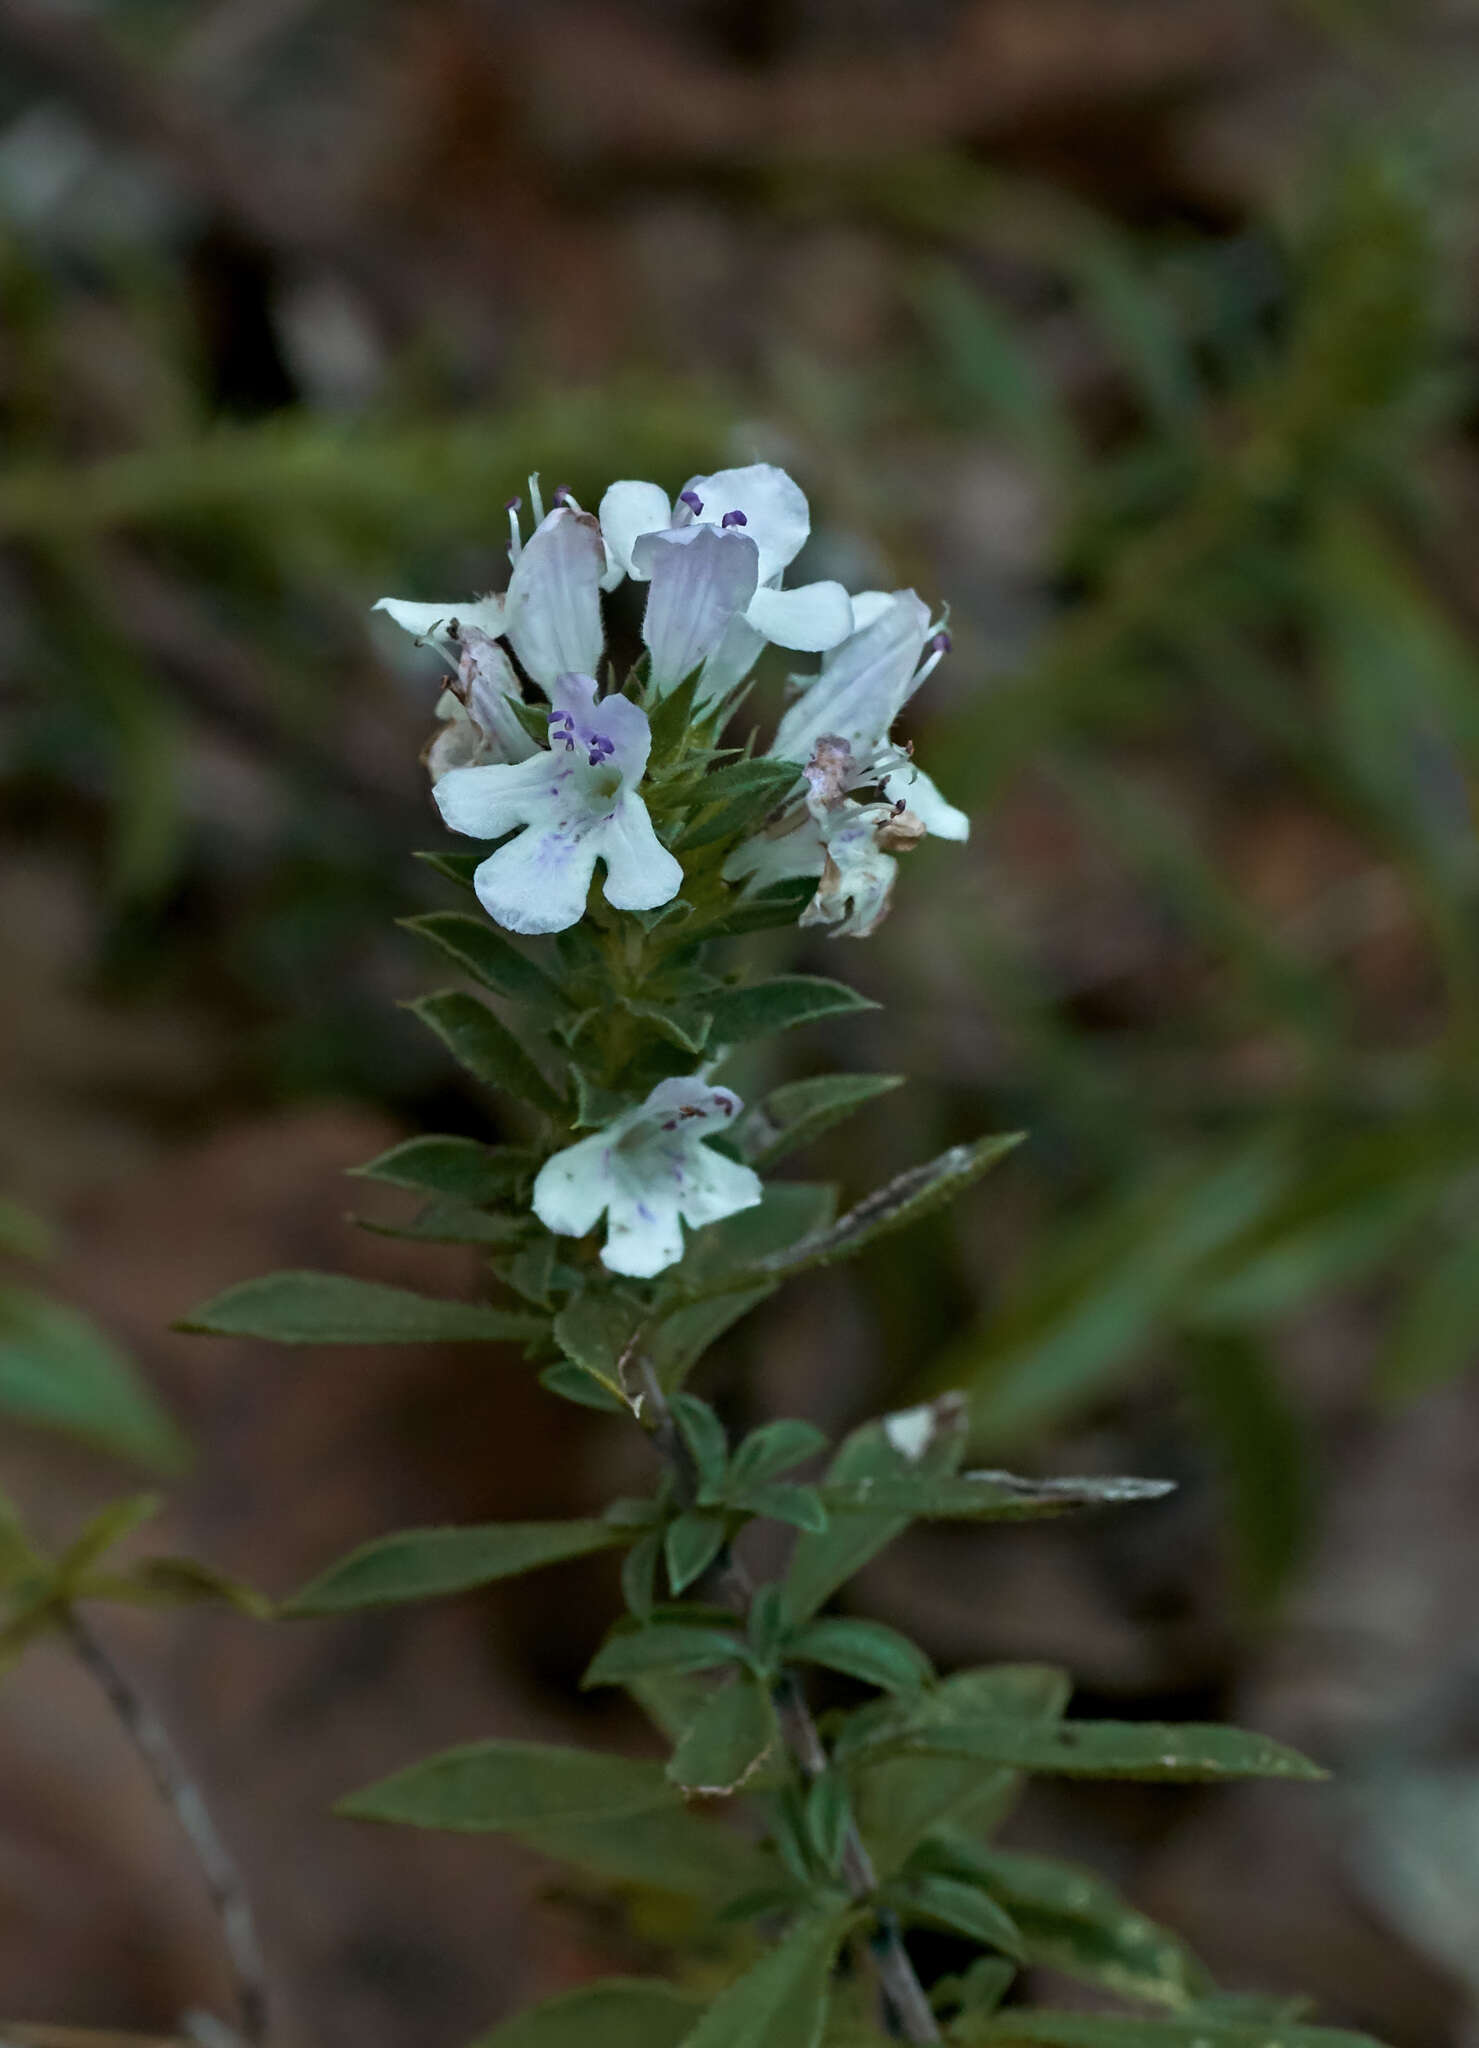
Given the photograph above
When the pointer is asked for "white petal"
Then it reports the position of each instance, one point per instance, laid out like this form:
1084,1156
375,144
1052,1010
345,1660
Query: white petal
488,801
698,1103
640,872
715,1187
811,618
862,684
775,509
765,860
553,607
615,719
431,622
642,1236
538,882
572,1189
492,689
700,576
628,510
729,664
939,818
868,606
911,1431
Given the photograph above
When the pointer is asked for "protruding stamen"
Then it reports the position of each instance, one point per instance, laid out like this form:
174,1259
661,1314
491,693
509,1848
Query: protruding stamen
939,643
692,500
513,504
734,519
536,499
513,508
561,495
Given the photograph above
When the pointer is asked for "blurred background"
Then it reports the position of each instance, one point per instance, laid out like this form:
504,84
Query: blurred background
1141,330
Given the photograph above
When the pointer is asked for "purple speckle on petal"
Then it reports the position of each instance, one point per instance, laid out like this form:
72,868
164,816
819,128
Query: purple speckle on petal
940,644
692,500
645,1213
734,519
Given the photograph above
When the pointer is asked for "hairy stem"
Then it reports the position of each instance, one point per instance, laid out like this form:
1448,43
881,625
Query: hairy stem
908,2005
182,1796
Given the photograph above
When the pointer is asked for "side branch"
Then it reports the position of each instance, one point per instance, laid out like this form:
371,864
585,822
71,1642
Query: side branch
182,1796
905,1994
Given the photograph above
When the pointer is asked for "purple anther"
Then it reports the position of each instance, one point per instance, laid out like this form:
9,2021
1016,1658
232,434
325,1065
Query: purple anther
671,1124
603,744
561,494
940,644
692,500
901,805
734,519
514,505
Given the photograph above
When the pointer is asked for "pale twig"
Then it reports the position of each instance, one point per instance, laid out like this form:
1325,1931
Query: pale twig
182,1796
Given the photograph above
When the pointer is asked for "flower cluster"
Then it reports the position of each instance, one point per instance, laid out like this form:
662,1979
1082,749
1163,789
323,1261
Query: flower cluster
563,785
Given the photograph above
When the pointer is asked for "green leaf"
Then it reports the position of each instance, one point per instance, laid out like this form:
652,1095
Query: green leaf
793,1115
174,1582
594,1330
686,1333
58,1370
900,1800
639,1574
452,1223
782,2001
902,1201
454,867
763,910
868,1650
964,1908
417,1564
1073,1922
487,1049
691,1543
828,1816
614,2012
508,1787
986,1496
1015,2029
1146,1750
333,1308
737,799
608,1814
664,1646
573,1383
780,1501
729,1738
774,1447
705,1437
1265,1454
482,952
824,1561
459,1168
778,1005
687,1029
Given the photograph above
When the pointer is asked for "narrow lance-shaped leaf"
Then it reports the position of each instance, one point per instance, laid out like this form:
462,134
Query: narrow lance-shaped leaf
481,951
793,1115
334,1308
986,1496
729,1738
1148,1750
782,2001
1099,2030
778,1005
487,1049
417,1564
902,1201
459,1168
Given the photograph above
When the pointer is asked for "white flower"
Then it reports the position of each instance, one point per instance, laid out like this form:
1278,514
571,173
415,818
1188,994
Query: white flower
699,581
859,691
859,842
765,504
648,1172
481,723
578,802
440,624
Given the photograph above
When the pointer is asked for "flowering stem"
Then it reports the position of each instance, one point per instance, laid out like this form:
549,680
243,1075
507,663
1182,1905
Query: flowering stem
182,1796
908,2005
